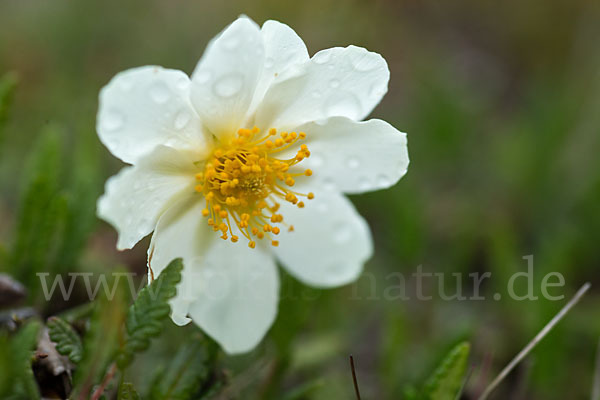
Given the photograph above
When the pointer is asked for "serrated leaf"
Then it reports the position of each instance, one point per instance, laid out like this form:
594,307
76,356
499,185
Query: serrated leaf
127,392
21,347
448,378
145,316
100,343
188,371
68,342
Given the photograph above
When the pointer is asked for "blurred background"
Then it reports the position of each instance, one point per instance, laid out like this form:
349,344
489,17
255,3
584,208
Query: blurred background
501,105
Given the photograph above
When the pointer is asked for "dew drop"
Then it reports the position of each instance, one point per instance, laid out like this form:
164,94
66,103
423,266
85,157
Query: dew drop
377,90
321,57
344,105
231,43
353,163
202,76
159,93
365,64
269,63
315,161
383,180
228,85
322,207
341,232
113,120
328,184
182,119
364,183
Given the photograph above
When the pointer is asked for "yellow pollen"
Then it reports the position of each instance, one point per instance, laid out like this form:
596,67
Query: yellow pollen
245,180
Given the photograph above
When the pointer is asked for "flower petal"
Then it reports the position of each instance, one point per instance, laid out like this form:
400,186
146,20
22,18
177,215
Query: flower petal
284,49
346,82
144,107
330,241
224,81
137,195
227,289
355,157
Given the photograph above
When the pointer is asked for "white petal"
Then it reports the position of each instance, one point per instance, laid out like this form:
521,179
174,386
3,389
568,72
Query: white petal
284,49
355,157
144,107
228,289
347,82
137,195
330,241
225,79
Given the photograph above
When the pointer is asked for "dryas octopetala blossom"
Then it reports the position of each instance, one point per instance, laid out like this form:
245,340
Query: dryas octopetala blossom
245,164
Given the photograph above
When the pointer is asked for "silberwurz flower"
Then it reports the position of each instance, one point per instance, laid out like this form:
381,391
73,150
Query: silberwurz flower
244,164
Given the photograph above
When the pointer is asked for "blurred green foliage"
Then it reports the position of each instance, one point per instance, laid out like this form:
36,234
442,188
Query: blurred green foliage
500,105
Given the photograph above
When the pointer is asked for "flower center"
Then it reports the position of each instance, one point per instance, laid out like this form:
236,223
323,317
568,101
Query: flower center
244,181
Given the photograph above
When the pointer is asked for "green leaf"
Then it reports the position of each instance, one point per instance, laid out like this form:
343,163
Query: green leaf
188,371
302,391
127,392
145,316
8,83
67,341
41,212
100,343
447,380
22,346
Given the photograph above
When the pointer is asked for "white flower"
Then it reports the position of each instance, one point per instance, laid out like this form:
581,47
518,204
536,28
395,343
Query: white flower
244,164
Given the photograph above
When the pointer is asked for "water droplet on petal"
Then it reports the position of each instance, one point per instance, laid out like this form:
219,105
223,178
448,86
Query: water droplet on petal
328,184
344,105
364,183
315,161
321,57
269,63
377,90
231,42
341,232
159,92
365,64
383,180
183,83
113,120
228,85
334,83
182,119
353,163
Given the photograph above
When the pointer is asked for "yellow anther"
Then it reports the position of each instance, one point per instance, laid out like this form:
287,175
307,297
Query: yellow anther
311,195
275,243
243,183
